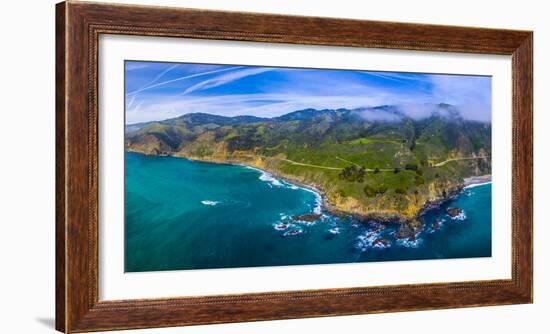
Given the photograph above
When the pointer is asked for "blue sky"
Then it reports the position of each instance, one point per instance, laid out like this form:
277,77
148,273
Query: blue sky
157,91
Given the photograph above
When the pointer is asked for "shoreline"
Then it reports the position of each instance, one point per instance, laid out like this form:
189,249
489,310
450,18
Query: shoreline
474,181
468,182
321,198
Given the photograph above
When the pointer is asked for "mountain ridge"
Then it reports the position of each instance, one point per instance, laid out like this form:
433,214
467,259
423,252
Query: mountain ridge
294,114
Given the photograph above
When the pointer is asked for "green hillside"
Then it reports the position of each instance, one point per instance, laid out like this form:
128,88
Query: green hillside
387,166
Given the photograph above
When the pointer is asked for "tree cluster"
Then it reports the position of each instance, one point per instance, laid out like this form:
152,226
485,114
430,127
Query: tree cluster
353,174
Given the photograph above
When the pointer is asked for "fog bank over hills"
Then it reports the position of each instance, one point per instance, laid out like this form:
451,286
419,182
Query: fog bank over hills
383,114
158,91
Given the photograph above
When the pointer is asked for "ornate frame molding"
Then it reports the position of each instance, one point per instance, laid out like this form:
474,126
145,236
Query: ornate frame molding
78,27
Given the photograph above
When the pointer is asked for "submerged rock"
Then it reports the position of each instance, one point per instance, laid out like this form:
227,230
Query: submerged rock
407,231
436,225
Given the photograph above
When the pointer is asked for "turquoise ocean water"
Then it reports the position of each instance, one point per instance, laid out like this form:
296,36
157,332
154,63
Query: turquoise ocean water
182,214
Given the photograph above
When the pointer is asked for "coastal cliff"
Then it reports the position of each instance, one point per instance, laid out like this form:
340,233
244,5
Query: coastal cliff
368,168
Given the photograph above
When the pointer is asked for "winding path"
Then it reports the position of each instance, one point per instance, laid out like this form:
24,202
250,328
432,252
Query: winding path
307,165
439,164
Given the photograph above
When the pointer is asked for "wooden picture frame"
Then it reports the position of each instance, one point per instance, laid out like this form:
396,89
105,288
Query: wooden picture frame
78,26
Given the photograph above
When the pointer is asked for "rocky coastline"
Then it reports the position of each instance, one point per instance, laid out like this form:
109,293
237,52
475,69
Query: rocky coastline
409,226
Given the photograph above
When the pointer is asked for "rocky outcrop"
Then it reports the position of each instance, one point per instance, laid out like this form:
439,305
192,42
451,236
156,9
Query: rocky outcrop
308,217
454,212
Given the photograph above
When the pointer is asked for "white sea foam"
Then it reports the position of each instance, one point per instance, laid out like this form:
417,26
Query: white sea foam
410,243
292,232
306,223
461,216
381,245
477,185
371,239
266,177
281,226
283,216
334,230
318,201
211,203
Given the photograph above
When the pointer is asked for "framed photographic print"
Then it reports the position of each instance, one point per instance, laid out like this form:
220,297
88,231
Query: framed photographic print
221,167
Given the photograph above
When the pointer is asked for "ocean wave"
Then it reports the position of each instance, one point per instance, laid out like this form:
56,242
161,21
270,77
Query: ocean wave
371,239
306,222
266,177
319,207
460,217
283,216
318,201
410,243
211,203
272,181
292,232
281,226
334,230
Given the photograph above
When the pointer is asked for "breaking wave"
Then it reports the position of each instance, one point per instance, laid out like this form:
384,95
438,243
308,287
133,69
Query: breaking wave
266,177
273,181
371,239
460,217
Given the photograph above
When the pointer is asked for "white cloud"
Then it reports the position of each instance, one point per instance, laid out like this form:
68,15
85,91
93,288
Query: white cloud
379,115
470,94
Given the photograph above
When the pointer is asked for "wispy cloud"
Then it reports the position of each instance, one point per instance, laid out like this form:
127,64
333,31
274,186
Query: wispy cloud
226,78
387,77
186,77
134,110
130,103
402,77
131,66
160,75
